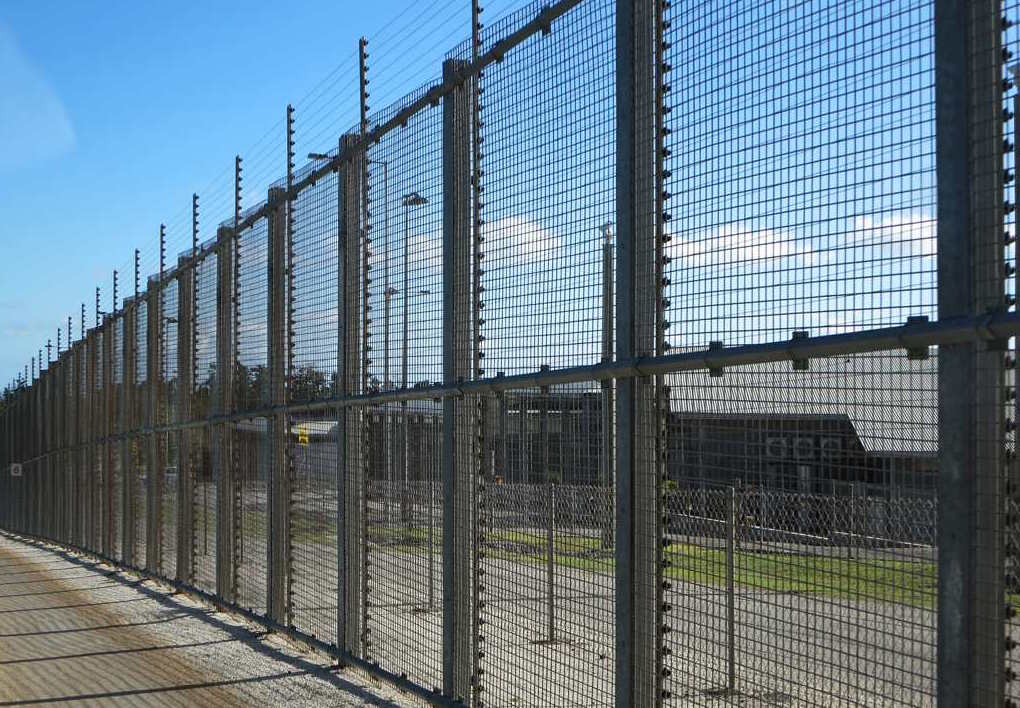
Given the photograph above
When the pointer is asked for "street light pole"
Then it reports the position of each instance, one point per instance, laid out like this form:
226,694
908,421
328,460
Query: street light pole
606,461
409,200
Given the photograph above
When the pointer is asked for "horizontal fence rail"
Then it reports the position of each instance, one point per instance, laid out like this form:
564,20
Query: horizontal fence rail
655,354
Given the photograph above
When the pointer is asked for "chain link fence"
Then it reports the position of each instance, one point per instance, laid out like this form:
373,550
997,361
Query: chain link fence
653,354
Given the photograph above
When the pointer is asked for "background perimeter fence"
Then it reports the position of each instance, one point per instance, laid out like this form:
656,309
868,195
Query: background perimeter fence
657,353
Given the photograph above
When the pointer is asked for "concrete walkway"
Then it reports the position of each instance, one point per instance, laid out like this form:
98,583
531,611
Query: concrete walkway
73,632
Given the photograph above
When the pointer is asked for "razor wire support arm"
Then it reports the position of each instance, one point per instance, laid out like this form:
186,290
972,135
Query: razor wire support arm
276,574
971,592
458,414
224,378
185,388
350,475
638,574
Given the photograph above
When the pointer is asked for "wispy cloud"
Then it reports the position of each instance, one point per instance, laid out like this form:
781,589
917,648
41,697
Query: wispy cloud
908,234
736,242
528,239
34,124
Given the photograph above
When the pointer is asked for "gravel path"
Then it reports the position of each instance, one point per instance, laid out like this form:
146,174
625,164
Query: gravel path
73,631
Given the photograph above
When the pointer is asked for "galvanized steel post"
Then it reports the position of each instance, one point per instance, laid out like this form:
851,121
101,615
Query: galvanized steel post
276,575
638,549
185,389
969,139
458,412
90,437
129,441
350,472
109,428
225,531
156,451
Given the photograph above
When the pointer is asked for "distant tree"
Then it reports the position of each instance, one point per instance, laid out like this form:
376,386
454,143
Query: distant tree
309,384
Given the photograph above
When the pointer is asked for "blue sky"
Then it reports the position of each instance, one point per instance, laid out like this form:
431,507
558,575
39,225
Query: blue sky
113,113
801,191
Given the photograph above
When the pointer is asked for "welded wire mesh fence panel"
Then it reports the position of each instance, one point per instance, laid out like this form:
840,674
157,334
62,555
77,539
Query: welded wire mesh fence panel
403,513
800,528
548,130
403,526
548,562
314,292
801,532
548,161
312,436
251,439
251,442
802,169
204,472
205,469
167,415
405,193
314,591
251,388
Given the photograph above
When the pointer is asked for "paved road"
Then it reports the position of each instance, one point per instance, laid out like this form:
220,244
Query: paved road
75,632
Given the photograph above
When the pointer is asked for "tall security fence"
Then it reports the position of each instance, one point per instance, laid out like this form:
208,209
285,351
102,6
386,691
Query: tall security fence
657,353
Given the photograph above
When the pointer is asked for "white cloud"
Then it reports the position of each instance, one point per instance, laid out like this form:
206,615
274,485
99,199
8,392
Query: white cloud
525,239
910,234
735,242
34,124
516,239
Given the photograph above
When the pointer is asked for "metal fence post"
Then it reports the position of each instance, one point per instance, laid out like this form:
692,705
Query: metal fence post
56,449
109,428
225,572
971,592
185,389
276,575
129,424
154,473
73,428
350,473
90,452
43,461
638,548
458,413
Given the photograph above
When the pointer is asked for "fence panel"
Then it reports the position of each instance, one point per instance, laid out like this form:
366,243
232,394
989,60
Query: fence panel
312,437
204,464
167,413
653,354
403,503
251,438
